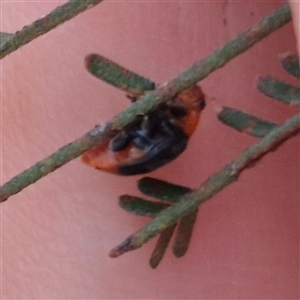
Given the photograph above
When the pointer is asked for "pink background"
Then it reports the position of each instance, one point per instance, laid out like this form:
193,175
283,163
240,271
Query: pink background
57,233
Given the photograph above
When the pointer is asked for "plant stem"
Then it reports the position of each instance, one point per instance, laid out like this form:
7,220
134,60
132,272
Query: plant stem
149,102
4,38
41,26
210,187
55,160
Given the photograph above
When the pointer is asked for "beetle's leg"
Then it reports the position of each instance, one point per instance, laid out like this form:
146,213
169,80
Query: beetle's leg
151,123
169,129
162,151
141,140
145,123
143,136
121,141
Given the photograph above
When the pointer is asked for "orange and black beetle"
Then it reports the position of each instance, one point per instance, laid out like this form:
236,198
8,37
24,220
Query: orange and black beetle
154,139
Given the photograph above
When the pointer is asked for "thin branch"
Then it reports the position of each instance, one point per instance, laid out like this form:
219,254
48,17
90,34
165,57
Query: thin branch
210,187
58,16
62,156
202,69
4,38
149,102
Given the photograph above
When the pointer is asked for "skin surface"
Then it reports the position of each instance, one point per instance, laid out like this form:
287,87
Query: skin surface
56,234
295,7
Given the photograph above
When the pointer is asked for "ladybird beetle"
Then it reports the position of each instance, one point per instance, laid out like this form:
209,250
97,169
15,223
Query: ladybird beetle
153,140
